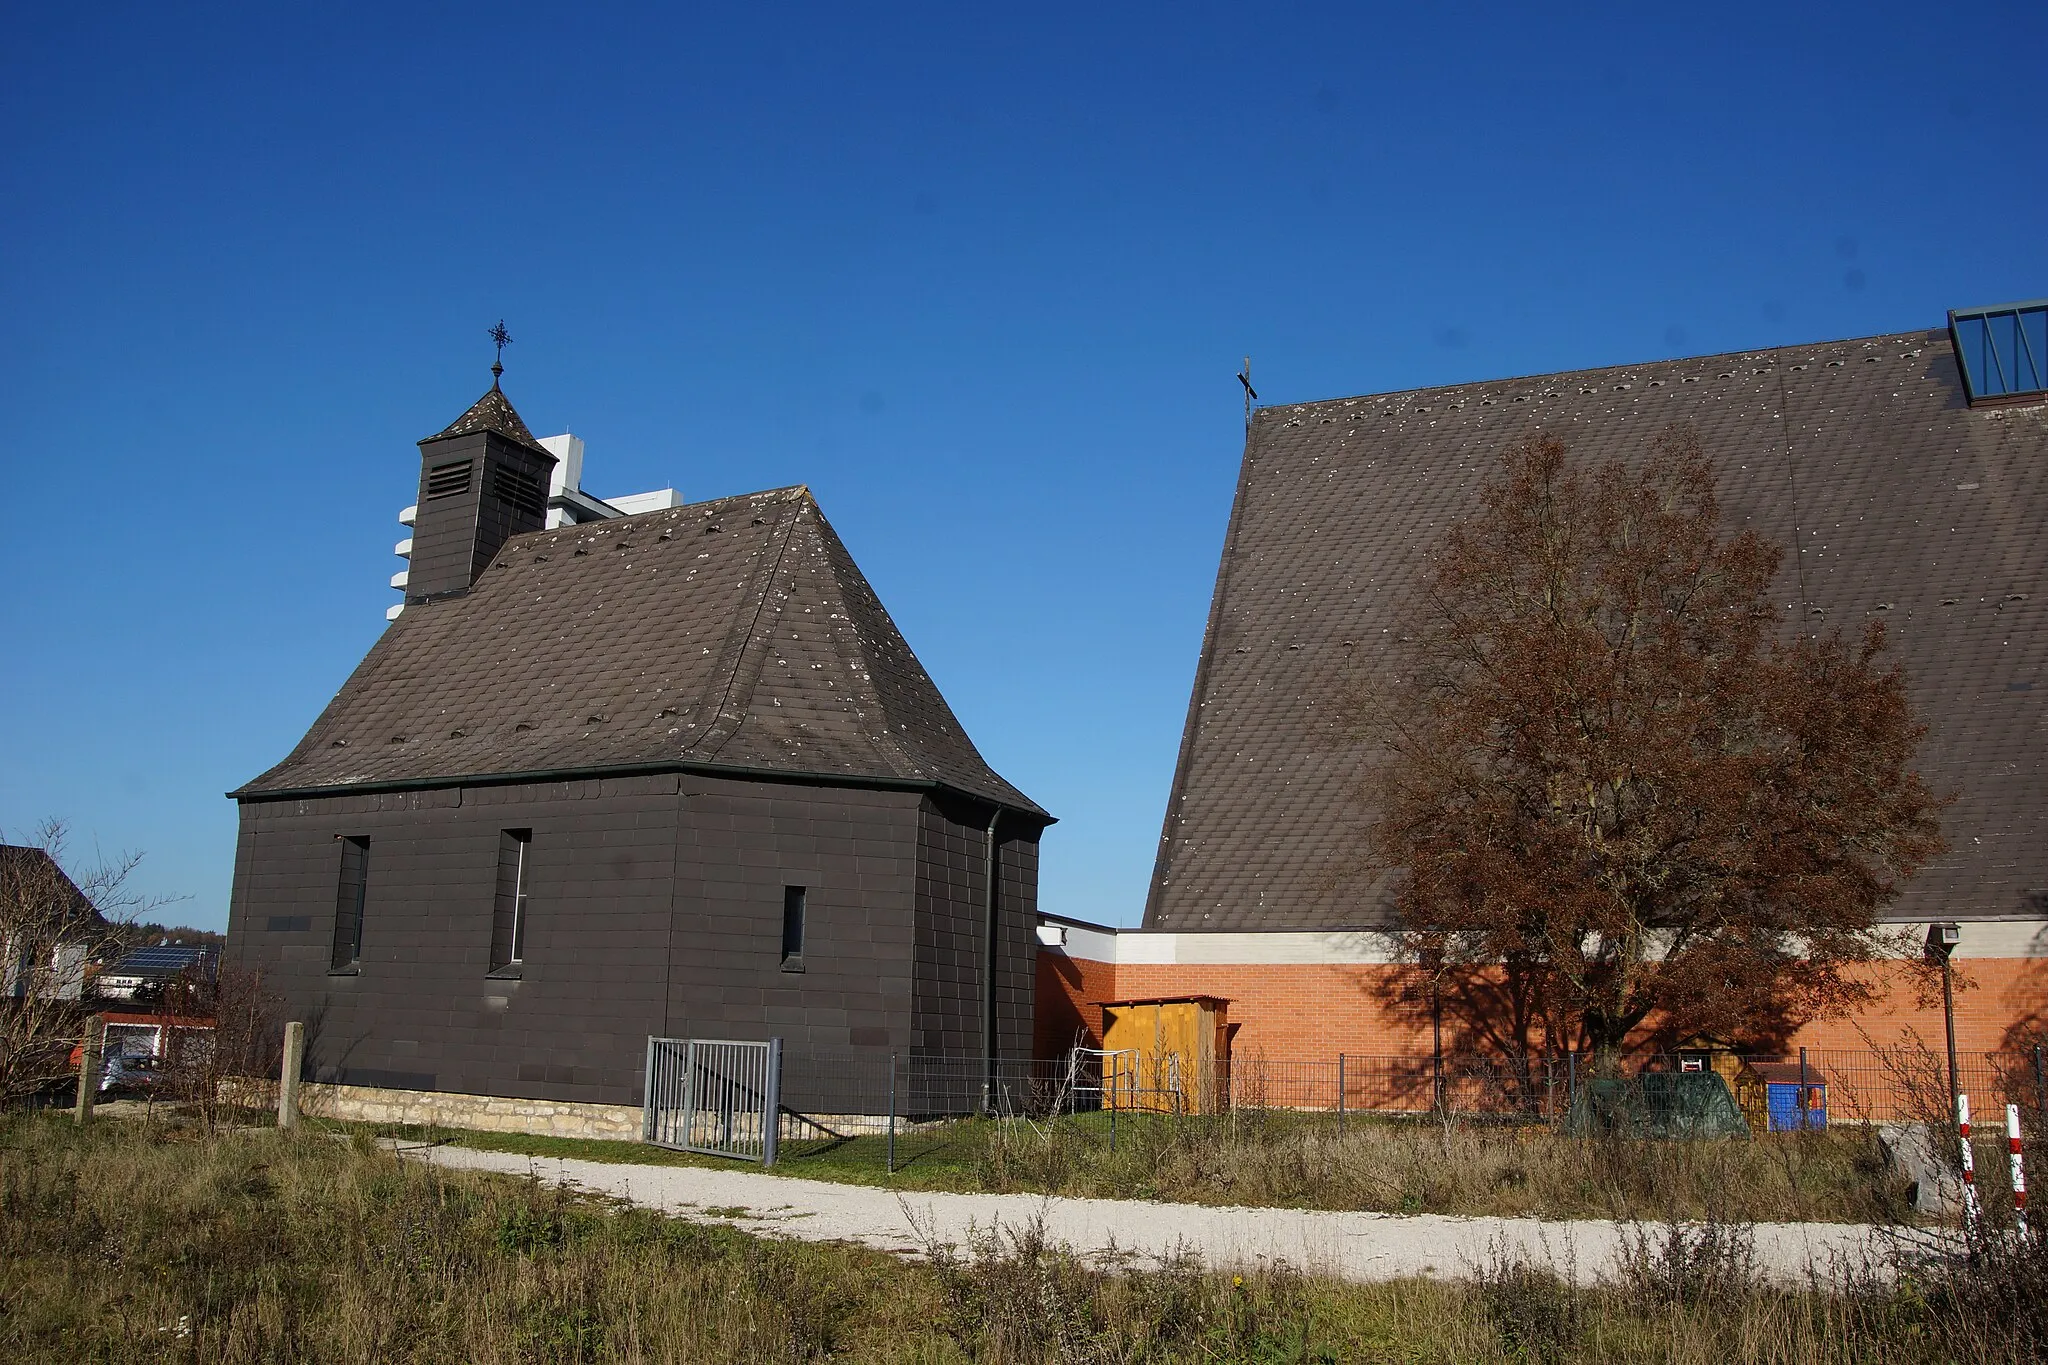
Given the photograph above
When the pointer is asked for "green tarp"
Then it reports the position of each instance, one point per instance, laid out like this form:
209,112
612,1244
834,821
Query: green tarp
1658,1104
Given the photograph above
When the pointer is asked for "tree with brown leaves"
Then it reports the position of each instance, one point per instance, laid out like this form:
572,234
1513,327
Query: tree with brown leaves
1611,774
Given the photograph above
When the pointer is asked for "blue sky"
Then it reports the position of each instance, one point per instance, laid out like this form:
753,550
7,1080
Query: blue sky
981,280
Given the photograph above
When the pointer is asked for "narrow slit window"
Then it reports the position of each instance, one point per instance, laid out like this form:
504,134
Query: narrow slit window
793,927
351,899
508,921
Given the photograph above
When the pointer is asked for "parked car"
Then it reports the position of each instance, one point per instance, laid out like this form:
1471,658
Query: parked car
125,1075
122,1073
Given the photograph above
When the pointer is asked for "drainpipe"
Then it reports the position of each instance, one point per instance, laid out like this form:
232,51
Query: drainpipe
990,876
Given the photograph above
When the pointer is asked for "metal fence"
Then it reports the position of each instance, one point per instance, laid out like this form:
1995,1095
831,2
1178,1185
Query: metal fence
715,1097
868,1108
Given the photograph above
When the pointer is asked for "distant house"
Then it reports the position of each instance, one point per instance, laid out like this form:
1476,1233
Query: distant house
153,966
48,927
136,1033
674,773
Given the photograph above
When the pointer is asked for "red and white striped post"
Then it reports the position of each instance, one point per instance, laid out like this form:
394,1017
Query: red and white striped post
2019,1168
1969,1162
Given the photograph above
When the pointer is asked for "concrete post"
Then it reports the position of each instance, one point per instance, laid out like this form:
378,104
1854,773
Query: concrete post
89,1068
288,1075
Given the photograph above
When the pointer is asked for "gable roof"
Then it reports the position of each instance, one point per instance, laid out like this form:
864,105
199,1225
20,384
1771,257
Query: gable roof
1862,456
735,634
30,873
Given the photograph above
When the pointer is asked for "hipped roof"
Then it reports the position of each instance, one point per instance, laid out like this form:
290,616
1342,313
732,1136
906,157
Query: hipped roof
735,634
1893,498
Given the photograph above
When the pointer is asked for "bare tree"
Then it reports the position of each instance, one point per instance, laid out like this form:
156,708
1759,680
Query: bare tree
1616,786
228,1066
56,917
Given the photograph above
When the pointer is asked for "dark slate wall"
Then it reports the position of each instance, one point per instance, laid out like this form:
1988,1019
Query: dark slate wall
423,1011
1017,972
951,882
855,853
655,907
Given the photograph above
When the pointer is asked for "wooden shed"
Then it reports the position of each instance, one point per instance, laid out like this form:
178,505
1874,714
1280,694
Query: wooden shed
1167,1055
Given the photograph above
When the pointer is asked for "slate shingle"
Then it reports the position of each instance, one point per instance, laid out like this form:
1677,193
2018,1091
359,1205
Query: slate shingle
736,633
1862,455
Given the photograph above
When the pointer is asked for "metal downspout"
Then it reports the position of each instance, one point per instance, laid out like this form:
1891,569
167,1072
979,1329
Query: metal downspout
990,906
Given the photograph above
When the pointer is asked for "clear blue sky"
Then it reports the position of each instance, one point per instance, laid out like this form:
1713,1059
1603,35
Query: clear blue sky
980,279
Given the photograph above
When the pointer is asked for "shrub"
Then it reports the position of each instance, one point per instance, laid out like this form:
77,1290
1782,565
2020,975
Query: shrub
1537,1315
1674,1263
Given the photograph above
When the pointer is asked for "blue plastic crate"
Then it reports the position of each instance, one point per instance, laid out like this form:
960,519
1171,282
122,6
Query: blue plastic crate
1784,1098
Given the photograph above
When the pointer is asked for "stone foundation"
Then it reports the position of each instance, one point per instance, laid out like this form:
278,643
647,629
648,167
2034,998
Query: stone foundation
487,1113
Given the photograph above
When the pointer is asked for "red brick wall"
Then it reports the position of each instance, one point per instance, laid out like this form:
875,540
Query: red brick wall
1309,1011
1070,995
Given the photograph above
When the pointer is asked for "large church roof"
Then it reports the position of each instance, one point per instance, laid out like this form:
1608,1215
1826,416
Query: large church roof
733,635
1894,499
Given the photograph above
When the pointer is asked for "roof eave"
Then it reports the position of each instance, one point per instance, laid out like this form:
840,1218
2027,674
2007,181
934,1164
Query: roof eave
877,782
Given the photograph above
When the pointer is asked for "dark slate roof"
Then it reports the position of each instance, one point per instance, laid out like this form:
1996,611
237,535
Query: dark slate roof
1901,502
26,870
733,634
492,412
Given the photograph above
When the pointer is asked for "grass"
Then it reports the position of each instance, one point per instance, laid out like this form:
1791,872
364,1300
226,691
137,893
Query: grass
152,1242
1281,1160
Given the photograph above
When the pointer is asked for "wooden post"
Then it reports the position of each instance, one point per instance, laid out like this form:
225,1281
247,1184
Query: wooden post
288,1074
89,1068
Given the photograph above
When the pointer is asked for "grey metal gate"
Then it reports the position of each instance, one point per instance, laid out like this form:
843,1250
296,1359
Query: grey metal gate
714,1096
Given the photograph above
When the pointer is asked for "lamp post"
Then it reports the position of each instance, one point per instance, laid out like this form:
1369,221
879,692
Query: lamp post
1941,941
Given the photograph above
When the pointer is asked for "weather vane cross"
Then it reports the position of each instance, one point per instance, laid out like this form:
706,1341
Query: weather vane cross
504,339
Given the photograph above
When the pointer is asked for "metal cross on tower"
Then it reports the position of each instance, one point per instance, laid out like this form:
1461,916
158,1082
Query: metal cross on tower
504,339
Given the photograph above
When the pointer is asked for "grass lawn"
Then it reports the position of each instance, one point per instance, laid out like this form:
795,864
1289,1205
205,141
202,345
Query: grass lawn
152,1241
1288,1161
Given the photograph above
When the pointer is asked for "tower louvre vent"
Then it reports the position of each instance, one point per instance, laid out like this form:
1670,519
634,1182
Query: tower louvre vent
449,480
516,488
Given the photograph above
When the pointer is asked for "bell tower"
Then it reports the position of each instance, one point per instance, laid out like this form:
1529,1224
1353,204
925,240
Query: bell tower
483,480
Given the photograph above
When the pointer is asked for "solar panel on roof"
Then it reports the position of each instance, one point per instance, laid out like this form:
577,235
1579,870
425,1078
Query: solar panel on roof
2003,349
163,957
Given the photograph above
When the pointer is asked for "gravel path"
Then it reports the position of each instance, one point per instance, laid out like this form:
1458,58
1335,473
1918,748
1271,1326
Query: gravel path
1349,1246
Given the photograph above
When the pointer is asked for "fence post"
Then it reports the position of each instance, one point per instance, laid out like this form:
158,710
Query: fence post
892,1113
1340,1094
288,1074
772,1118
2019,1169
2040,1084
1969,1162
89,1068
647,1100
1802,1090
1571,1081
1110,1085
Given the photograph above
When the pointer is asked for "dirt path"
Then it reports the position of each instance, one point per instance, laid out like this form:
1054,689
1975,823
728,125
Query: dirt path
1349,1246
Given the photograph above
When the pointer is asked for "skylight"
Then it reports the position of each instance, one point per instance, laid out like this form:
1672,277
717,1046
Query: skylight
2003,350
